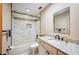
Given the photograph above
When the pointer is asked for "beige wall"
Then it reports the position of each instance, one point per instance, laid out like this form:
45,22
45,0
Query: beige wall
6,16
38,27
47,18
6,25
0,28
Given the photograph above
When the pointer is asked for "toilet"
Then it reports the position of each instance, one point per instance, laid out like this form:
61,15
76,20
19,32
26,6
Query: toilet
34,48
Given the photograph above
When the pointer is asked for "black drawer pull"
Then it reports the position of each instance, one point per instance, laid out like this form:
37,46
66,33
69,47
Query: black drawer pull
47,52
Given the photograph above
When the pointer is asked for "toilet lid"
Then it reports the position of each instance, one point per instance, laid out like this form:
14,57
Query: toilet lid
34,45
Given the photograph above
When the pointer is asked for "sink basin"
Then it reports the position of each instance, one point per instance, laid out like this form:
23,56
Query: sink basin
51,39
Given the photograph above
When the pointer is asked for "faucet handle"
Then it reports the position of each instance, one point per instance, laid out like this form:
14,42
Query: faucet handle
62,38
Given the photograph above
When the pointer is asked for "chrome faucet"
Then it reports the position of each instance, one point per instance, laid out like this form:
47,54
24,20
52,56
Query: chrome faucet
57,37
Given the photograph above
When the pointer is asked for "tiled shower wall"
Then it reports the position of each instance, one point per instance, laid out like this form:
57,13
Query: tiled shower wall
23,34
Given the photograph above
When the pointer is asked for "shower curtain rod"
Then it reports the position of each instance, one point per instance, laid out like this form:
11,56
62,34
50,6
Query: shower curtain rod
25,19
24,14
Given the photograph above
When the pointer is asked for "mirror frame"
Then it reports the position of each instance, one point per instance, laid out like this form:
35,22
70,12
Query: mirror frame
68,23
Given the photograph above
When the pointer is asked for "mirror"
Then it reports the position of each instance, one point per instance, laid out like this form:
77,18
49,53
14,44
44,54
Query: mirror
62,21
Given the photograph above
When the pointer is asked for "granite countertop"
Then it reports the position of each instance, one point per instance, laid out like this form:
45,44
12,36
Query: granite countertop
69,48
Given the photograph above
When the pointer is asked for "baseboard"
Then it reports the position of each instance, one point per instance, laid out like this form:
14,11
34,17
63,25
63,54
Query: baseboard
2,54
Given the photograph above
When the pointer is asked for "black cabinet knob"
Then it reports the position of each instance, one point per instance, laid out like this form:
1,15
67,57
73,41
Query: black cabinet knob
47,52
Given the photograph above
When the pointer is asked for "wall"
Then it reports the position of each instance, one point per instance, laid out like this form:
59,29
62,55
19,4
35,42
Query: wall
38,27
21,33
47,18
6,25
19,26
6,16
0,27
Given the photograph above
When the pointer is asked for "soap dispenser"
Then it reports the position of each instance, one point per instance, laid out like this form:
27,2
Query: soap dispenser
66,39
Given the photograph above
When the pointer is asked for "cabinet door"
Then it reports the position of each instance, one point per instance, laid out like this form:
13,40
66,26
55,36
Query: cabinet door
51,49
42,50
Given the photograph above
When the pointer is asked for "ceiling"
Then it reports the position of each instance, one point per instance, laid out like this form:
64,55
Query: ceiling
34,7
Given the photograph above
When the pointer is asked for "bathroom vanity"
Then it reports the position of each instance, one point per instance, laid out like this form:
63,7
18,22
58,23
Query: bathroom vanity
56,45
50,46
